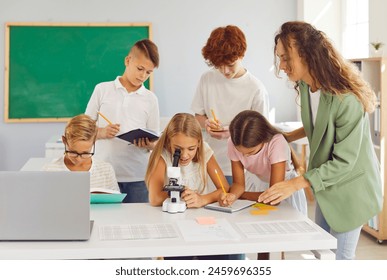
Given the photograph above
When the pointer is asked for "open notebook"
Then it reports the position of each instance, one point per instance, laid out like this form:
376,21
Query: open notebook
236,206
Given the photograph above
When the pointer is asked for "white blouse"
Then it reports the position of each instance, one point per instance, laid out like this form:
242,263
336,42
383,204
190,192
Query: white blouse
191,176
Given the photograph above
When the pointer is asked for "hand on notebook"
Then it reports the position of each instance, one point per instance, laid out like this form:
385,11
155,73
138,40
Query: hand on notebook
226,199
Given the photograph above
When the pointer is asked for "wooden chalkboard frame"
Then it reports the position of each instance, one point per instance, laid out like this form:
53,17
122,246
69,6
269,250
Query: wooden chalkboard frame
8,64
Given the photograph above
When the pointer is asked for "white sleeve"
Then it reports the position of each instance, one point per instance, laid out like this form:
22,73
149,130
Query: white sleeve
94,105
261,101
197,105
208,152
153,122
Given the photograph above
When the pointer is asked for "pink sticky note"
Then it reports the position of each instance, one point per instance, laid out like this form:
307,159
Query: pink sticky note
205,220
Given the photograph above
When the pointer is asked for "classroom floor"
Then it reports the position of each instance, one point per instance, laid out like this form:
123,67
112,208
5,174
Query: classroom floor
367,248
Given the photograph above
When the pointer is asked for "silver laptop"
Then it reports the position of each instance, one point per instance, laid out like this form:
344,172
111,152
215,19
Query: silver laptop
44,205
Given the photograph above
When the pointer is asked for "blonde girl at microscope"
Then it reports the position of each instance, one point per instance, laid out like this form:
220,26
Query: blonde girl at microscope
196,162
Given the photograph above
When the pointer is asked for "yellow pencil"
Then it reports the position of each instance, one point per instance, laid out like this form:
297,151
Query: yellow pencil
105,118
213,115
220,181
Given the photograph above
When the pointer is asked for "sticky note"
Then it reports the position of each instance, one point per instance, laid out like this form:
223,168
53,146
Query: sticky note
205,220
259,212
264,206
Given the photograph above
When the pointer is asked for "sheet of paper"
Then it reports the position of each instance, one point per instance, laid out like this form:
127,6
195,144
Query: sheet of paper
192,231
236,206
137,231
262,229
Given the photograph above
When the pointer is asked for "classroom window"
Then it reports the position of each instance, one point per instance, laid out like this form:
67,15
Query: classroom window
356,28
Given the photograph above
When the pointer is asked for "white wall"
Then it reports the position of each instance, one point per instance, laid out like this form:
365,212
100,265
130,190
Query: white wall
180,29
378,23
325,15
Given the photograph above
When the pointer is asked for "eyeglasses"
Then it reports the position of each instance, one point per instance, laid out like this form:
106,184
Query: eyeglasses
73,154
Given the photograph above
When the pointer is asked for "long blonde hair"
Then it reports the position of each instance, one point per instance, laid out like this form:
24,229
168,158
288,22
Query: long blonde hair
180,123
326,65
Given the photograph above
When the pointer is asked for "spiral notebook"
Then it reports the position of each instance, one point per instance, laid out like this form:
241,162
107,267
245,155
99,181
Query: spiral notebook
236,206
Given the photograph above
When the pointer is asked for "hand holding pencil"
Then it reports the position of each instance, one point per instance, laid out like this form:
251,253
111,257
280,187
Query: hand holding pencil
215,129
108,131
225,199
214,123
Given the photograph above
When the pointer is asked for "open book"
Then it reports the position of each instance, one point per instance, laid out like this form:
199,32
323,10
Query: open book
236,206
136,134
105,195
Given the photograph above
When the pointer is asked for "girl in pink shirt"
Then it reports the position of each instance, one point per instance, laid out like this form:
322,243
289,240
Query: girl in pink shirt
257,146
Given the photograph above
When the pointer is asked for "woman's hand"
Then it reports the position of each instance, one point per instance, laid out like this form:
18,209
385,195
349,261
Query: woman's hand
192,198
226,199
282,190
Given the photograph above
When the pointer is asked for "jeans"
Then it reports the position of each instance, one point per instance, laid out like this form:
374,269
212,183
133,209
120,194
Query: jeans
346,241
229,179
136,191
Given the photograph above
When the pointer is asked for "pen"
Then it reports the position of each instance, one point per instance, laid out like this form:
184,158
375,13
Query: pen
220,181
213,115
105,118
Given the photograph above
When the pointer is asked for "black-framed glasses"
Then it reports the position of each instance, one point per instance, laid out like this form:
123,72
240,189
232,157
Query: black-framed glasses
73,154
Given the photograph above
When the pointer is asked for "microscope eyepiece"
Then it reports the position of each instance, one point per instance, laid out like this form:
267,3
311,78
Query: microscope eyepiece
176,158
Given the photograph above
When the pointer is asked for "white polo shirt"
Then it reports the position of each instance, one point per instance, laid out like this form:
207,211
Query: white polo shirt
132,110
228,97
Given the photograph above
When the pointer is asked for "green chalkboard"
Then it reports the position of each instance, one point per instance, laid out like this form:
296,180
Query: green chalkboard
51,70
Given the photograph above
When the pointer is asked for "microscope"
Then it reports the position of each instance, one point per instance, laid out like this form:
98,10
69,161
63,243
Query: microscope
174,204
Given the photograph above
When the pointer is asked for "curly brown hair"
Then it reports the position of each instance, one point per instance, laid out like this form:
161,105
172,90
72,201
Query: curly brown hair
326,65
224,46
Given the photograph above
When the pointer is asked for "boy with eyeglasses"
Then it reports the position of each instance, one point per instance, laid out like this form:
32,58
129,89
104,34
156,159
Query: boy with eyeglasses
126,105
79,140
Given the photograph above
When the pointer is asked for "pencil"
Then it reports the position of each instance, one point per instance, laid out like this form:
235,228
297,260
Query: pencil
105,118
220,181
213,115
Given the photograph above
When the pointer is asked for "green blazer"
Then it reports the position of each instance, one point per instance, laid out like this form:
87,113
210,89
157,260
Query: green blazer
343,168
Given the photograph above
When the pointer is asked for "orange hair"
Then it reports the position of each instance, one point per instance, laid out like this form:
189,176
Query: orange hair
224,46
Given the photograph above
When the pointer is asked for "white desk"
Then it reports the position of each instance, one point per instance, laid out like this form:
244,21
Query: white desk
142,213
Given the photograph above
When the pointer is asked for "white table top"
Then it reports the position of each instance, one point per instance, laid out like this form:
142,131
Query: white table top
290,126
143,213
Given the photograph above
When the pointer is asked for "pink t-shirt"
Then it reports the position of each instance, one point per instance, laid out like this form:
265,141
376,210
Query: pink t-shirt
277,150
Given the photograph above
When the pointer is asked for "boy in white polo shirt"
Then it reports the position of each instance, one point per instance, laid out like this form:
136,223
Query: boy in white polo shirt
128,105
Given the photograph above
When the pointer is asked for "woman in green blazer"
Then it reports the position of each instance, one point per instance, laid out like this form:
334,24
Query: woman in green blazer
343,169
